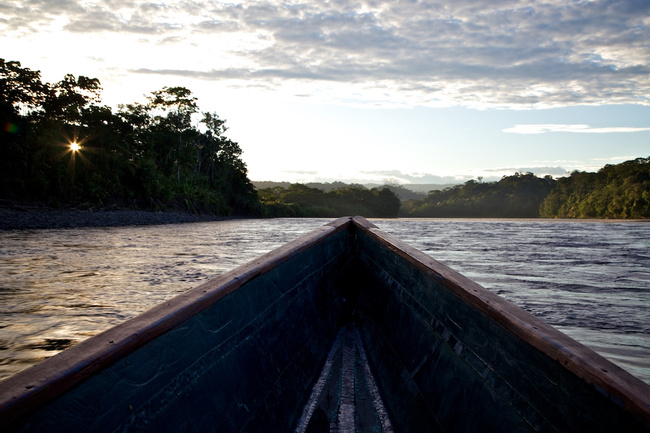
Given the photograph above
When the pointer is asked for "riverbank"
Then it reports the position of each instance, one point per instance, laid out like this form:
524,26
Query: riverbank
22,218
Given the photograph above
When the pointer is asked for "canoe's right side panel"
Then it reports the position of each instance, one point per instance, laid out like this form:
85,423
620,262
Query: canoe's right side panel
244,363
443,365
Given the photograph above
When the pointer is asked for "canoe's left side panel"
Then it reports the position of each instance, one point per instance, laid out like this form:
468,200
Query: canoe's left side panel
247,362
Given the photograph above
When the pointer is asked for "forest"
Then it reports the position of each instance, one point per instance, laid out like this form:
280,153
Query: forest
61,148
620,191
298,200
616,191
517,196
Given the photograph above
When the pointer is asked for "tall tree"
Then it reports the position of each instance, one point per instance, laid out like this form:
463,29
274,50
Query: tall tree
178,106
21,90
66,99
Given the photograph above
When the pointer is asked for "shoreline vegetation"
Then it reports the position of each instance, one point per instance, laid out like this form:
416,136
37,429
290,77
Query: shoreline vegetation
64,155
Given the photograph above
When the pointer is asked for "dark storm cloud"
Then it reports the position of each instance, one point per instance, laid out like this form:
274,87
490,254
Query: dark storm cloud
505,52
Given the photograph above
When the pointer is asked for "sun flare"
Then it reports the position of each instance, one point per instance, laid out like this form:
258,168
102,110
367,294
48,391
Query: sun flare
74,146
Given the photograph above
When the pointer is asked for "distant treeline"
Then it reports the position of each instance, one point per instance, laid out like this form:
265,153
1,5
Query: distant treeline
400,191
518,196
616,191
298,200
147,156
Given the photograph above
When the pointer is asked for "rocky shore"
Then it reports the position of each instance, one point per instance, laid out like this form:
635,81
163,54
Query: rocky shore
21,218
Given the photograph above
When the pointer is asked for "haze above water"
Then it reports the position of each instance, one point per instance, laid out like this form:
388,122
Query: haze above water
590,279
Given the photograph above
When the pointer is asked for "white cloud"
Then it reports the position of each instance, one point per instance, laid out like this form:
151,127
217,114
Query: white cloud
582,129
506,53
400,177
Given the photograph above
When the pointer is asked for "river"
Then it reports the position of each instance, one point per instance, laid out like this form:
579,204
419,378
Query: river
589,279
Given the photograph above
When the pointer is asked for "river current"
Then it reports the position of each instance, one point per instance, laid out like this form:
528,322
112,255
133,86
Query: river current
589,279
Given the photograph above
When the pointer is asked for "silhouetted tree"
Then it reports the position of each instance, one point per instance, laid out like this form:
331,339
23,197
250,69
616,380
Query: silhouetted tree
145,155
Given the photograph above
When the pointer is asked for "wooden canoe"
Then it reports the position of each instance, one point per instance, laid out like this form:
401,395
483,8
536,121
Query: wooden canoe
344,325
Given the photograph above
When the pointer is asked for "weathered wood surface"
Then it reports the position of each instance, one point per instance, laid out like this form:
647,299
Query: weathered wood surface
242,352
345,398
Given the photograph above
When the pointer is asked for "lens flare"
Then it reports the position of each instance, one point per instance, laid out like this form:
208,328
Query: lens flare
74,146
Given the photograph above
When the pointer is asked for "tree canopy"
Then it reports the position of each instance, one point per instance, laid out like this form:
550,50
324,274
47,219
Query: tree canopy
164,154
298,200
517,196
615,191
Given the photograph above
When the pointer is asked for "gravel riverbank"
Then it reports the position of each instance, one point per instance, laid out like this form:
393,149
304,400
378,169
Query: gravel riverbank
38,218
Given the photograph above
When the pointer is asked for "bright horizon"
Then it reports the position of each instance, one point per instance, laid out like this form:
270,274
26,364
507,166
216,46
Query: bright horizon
365,91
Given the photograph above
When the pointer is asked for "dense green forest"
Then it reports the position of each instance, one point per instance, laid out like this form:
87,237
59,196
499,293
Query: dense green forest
298,200
615,191
518,196
402,192
61,147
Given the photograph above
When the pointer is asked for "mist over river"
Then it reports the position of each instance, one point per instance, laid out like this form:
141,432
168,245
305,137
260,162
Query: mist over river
590,279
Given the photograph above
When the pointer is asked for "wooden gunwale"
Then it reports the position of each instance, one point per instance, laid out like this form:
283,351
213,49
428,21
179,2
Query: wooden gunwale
32,388
618,385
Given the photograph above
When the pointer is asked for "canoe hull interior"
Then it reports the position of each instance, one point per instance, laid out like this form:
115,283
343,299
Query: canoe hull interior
242,353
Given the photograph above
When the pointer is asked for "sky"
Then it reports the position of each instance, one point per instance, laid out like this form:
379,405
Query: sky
370,91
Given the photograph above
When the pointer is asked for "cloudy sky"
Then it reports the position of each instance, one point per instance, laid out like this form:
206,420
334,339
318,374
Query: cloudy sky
408,91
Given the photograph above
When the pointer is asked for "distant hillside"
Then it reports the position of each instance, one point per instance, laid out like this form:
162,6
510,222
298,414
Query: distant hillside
404,192
615,191
323,186
426,187
299,200
517,196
